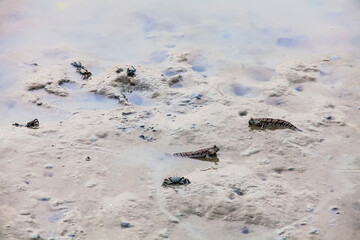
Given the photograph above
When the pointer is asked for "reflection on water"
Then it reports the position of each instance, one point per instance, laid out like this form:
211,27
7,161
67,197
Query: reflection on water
259,73
159,56
113,30
198,64
138,98
77,100
239,90
287,42
70,86
170,73
13,111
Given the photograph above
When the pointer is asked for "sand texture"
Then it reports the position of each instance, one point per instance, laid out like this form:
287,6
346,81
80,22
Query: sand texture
98,174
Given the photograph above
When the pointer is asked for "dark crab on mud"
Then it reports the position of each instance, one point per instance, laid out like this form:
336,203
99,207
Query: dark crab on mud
175,181
131,71
32,124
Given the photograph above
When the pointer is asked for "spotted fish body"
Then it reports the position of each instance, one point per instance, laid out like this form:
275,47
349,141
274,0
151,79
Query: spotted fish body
202,153
271,122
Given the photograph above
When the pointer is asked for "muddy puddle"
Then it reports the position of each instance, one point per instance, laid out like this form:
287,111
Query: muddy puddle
138,98
13,111
77,100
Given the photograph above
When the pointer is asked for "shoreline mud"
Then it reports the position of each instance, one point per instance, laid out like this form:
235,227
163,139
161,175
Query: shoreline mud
98,174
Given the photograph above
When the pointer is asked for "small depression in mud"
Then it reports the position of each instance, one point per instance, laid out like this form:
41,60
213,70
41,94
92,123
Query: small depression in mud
237,90
299,88
276,101
71,86
199,64
159,56
328,77
170,73
290,42
58,215
138,98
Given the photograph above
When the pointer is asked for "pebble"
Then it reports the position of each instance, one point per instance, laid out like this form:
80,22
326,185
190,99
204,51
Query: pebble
34,236
242,113
314,231
197,96
245,230
335,210
303,223
87,159
39,103
119,70
329,117
142,136
48,166
238,191
174,220
44,198
169,114
127,113
290,168
185,101
249,152
180,214
164,234
24,212
91,184
125,225
310,209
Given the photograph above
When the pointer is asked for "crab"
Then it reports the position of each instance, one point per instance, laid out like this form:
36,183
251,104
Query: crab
175,181
131,71
81,69
33,124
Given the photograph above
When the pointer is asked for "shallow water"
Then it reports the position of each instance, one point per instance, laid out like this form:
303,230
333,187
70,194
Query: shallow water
13,111
105,33
78,99
239,90
138,98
